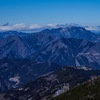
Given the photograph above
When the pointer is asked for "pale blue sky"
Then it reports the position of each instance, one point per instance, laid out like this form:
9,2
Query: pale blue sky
85,12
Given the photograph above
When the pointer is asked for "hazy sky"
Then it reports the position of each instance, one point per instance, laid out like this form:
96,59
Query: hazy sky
50,11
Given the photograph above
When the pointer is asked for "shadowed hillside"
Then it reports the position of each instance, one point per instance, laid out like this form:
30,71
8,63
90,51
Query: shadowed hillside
86,91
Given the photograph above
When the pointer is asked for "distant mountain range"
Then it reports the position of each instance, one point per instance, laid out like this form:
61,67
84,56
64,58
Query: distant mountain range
25,57
73,32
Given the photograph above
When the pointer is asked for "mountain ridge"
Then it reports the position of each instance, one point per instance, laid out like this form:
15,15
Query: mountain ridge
41,53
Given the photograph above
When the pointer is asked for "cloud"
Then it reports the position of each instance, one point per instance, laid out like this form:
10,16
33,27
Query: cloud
92,28
19,27
35,27
27,28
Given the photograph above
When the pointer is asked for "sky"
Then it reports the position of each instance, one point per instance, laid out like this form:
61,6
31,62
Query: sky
85,12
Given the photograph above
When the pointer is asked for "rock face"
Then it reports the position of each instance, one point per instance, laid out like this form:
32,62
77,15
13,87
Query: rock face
70,52
25,57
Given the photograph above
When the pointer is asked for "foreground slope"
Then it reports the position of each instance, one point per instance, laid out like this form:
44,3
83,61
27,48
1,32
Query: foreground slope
87,91
52,85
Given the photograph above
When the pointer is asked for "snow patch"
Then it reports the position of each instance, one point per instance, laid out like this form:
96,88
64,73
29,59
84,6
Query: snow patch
15,79
77,63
